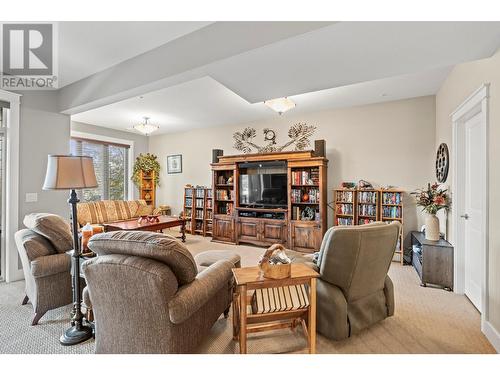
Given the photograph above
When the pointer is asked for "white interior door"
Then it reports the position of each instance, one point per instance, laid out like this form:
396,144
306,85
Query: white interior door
473,208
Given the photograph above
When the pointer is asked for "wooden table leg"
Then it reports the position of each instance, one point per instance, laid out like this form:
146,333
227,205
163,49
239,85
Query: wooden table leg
312,316
243,319
235,314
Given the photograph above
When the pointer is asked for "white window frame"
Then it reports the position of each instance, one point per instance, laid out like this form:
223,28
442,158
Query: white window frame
10,264
127,142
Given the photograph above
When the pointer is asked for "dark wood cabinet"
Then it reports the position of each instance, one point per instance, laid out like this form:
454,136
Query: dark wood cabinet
262,232
248,230
274,231
433,261
305,236
223,228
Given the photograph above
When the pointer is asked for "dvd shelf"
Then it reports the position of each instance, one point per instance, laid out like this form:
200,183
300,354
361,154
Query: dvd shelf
392,210
368,207
200,215
358,207
344,206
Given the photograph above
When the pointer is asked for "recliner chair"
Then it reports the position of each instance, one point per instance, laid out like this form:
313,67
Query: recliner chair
354,290
147,295
46,267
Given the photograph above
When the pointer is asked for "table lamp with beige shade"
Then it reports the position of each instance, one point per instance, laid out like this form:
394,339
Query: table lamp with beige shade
68,172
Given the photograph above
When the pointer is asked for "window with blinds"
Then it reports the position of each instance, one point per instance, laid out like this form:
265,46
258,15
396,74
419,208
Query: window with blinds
111,168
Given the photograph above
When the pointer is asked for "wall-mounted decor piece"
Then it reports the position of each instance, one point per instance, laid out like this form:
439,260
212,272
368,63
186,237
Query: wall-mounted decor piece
442,163
174,164
298,133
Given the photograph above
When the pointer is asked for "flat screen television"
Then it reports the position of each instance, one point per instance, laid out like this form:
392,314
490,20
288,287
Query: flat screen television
263,185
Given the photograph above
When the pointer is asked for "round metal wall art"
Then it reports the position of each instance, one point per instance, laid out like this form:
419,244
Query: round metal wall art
442,163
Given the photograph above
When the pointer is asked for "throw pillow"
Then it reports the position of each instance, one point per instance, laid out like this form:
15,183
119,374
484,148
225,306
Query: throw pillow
53,227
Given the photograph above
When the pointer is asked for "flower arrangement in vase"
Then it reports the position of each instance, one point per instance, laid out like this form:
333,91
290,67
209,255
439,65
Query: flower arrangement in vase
432,200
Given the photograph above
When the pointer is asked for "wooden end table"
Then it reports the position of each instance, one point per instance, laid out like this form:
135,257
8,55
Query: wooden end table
163,222
249,278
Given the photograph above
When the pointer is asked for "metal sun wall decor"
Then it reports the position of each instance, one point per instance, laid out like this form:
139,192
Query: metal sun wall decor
298,133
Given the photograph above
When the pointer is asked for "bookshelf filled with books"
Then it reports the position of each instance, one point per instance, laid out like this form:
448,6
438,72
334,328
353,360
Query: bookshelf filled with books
367,206
207,218
223,202
198,209
360,206
307,204
391,209
305,194
188,208
345,206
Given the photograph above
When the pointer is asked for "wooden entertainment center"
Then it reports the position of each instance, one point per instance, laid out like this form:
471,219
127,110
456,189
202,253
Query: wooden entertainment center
291,226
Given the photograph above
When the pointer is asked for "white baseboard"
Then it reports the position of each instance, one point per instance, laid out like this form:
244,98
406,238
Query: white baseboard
491,334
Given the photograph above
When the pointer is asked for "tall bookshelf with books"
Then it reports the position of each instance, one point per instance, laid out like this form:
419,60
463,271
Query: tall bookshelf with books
367,206
345,206
391,209
198,209
223,202
208,215
188,208
359,206
307,204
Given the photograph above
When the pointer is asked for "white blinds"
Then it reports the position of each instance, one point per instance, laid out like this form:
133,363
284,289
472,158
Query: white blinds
111,169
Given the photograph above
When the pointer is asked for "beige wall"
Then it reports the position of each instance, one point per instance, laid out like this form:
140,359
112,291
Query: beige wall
462,82
387,144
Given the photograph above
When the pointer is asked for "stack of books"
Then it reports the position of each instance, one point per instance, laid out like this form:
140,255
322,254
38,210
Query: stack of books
285,298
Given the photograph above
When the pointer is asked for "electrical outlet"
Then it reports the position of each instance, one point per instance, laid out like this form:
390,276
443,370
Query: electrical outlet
31,197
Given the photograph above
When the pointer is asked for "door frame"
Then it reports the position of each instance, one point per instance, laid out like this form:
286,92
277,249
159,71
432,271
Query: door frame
476,103
11,271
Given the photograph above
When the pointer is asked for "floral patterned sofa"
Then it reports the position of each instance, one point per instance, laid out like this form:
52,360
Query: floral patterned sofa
108,211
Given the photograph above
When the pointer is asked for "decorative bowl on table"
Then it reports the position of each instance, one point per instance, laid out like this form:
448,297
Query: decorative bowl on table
153,218
143,219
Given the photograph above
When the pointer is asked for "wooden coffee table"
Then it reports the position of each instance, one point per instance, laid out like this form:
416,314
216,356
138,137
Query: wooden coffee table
249,278
163,222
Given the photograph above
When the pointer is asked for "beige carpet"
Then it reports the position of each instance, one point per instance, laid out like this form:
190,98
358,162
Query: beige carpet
427,320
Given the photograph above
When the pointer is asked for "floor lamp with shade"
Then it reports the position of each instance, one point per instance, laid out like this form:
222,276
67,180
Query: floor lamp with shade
68,172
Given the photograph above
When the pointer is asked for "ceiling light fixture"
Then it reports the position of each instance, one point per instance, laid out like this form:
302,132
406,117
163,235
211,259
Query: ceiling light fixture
280,105
145,127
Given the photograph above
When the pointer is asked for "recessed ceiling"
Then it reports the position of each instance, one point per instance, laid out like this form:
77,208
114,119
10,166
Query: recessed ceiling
351,52
86,48
204,103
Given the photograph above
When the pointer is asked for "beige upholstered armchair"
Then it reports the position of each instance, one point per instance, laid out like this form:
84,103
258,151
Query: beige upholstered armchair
46,267
148,294
354,290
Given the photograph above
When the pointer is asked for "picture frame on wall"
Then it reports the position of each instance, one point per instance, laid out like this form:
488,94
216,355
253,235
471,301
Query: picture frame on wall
174,164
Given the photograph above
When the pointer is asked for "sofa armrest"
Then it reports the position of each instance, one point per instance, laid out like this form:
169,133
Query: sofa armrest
50,265
389,295
189,298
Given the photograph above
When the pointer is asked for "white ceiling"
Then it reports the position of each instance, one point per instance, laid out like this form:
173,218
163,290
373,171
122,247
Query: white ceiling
86,48
350,52
345,64
204,103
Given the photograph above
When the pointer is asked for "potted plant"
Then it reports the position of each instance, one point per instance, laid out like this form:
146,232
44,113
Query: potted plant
432,200
146,163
